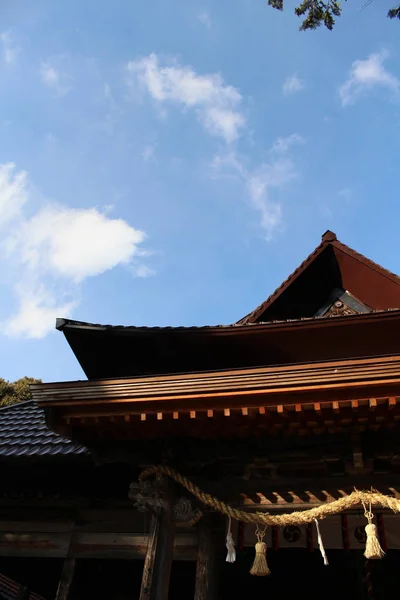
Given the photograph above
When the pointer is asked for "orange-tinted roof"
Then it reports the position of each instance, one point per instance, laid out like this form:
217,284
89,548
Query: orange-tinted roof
332,265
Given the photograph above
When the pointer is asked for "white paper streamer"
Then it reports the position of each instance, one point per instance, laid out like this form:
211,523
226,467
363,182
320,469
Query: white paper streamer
321,544
230,545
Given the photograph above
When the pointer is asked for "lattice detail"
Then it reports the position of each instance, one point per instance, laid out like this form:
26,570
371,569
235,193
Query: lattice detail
340,309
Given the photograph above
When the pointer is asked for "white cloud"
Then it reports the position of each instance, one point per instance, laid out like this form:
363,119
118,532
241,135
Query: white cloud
36,313
13,192
9,49
205,18
55,78
366,75
75,243
216,104
292,85
50,76
223,122
50,252
283,144
270,212
143,271
262,181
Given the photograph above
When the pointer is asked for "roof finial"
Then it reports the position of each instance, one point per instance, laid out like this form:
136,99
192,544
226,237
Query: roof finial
329,236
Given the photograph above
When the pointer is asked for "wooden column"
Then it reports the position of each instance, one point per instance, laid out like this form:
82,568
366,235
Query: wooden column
158,561
67,575
22,593
206,575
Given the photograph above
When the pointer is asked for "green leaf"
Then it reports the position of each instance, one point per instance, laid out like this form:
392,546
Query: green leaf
394,13
278,4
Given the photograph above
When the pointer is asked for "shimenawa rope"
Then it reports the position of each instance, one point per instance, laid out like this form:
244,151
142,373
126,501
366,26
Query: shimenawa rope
295,518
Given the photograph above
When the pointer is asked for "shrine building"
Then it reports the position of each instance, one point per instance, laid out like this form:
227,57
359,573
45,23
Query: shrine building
127,484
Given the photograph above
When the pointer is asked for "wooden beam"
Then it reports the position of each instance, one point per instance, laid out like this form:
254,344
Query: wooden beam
158,561
66,578
205,588
51,545
90,544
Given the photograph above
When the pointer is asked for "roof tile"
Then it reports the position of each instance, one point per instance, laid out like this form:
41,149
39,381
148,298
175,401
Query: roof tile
23,432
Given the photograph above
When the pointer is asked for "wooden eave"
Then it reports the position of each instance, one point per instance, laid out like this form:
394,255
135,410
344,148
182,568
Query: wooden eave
288,390
112,351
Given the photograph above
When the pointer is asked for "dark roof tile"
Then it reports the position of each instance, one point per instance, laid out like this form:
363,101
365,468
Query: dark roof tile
23,432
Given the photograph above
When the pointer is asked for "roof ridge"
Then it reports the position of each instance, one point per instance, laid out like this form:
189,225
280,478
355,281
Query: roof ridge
15,404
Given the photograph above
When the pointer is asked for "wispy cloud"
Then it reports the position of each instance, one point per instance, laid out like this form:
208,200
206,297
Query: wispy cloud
292,85
148,152
216,104
113,110
283,144
205,18
9,49
345,193
13,192
37,312
53,250
260,182
143,271
367,75
54,77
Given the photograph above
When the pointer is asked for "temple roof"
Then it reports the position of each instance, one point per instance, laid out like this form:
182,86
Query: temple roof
334,281
331,270
113,352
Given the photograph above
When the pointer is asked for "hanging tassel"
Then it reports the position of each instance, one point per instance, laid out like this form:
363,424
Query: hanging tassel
321,543
373,548
230,545
260,567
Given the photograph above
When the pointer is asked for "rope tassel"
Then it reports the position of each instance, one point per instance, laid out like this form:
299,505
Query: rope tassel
260,566
373,548
230,544
321,543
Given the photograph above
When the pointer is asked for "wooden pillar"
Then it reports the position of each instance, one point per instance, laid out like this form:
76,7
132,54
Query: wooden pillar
22,593
206,575
158,561
67,575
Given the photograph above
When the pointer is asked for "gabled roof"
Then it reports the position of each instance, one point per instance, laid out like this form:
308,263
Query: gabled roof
331,267
334,281
23,432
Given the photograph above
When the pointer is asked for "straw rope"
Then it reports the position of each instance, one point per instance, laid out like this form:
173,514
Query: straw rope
354,499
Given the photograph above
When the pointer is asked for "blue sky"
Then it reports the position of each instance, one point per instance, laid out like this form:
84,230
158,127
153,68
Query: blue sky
170,163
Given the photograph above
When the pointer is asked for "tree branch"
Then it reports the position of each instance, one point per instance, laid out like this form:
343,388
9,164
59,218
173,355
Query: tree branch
321,12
